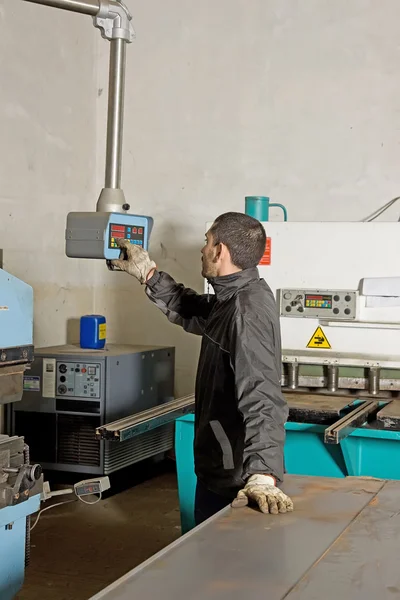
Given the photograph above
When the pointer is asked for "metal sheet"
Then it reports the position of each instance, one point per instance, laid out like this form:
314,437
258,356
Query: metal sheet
389,416
242,553
363,562
320,408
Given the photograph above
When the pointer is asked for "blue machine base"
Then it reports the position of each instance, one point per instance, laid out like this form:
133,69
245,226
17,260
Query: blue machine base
12,546
364,453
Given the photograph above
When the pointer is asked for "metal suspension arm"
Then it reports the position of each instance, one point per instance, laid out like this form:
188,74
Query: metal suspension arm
86,7
115,23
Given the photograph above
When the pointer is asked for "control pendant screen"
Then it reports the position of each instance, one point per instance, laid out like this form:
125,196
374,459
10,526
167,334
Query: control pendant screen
318,301
134,234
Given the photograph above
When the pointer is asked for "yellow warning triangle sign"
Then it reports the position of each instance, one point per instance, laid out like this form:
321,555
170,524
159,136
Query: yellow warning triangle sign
319,340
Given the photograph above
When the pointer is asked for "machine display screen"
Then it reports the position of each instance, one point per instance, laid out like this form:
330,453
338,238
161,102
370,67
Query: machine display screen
127,232
317,301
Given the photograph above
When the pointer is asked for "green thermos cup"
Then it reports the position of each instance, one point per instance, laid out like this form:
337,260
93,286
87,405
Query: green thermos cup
258,207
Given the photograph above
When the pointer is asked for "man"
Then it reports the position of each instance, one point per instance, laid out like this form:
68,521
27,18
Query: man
240,410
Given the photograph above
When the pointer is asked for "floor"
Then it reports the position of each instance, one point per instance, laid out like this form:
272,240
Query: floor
76,550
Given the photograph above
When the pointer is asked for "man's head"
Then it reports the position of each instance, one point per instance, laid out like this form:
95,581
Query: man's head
234,242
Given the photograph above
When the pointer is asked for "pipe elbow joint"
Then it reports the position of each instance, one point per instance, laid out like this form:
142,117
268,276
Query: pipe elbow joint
114,21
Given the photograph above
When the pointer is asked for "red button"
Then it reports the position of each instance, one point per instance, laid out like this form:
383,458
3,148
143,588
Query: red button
83,370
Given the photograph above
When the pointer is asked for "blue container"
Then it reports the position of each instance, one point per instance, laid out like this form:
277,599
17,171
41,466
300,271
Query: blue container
364,453
307,454
93,332
372,453
187,480
258,207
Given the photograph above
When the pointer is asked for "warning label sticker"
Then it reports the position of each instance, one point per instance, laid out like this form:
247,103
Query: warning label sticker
266,258
319,340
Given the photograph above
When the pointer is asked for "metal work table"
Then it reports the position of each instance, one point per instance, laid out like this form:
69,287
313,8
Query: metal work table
342,541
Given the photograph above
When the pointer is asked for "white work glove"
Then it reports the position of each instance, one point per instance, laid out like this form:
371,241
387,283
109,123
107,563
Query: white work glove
261,489
136,261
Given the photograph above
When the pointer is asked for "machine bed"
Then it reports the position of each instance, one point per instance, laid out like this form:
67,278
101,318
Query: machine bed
313,408
389,416
342,541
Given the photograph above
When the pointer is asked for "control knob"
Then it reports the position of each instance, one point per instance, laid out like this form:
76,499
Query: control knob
34,472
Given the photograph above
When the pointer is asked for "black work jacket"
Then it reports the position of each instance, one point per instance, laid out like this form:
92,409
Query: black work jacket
240,409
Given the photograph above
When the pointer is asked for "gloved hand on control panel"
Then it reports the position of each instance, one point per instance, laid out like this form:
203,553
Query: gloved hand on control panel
261,489
135,261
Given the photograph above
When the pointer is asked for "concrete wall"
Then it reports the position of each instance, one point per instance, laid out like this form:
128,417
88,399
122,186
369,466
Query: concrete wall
47,156
296,100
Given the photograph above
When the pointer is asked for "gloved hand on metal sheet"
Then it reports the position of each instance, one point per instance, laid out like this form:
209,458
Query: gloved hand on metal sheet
135,261
261,490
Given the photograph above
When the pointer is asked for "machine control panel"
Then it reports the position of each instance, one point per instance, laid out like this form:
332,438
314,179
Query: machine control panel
78,380
134,234
322,304
95,235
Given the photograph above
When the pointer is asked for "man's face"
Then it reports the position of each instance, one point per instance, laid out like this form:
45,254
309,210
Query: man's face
209,258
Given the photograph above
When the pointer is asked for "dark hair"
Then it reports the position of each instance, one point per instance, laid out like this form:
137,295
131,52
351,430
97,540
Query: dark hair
243,236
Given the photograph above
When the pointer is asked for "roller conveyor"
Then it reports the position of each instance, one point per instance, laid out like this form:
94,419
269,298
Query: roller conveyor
342,541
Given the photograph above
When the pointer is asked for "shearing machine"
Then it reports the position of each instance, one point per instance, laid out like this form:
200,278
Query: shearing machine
337,287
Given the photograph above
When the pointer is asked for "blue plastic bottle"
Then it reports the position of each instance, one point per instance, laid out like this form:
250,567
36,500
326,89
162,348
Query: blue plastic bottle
93,332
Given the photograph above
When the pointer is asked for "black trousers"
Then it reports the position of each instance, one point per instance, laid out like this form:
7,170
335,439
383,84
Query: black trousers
208,503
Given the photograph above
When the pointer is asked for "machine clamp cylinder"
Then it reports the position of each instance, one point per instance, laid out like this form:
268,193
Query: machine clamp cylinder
293,375
333,378
373,380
